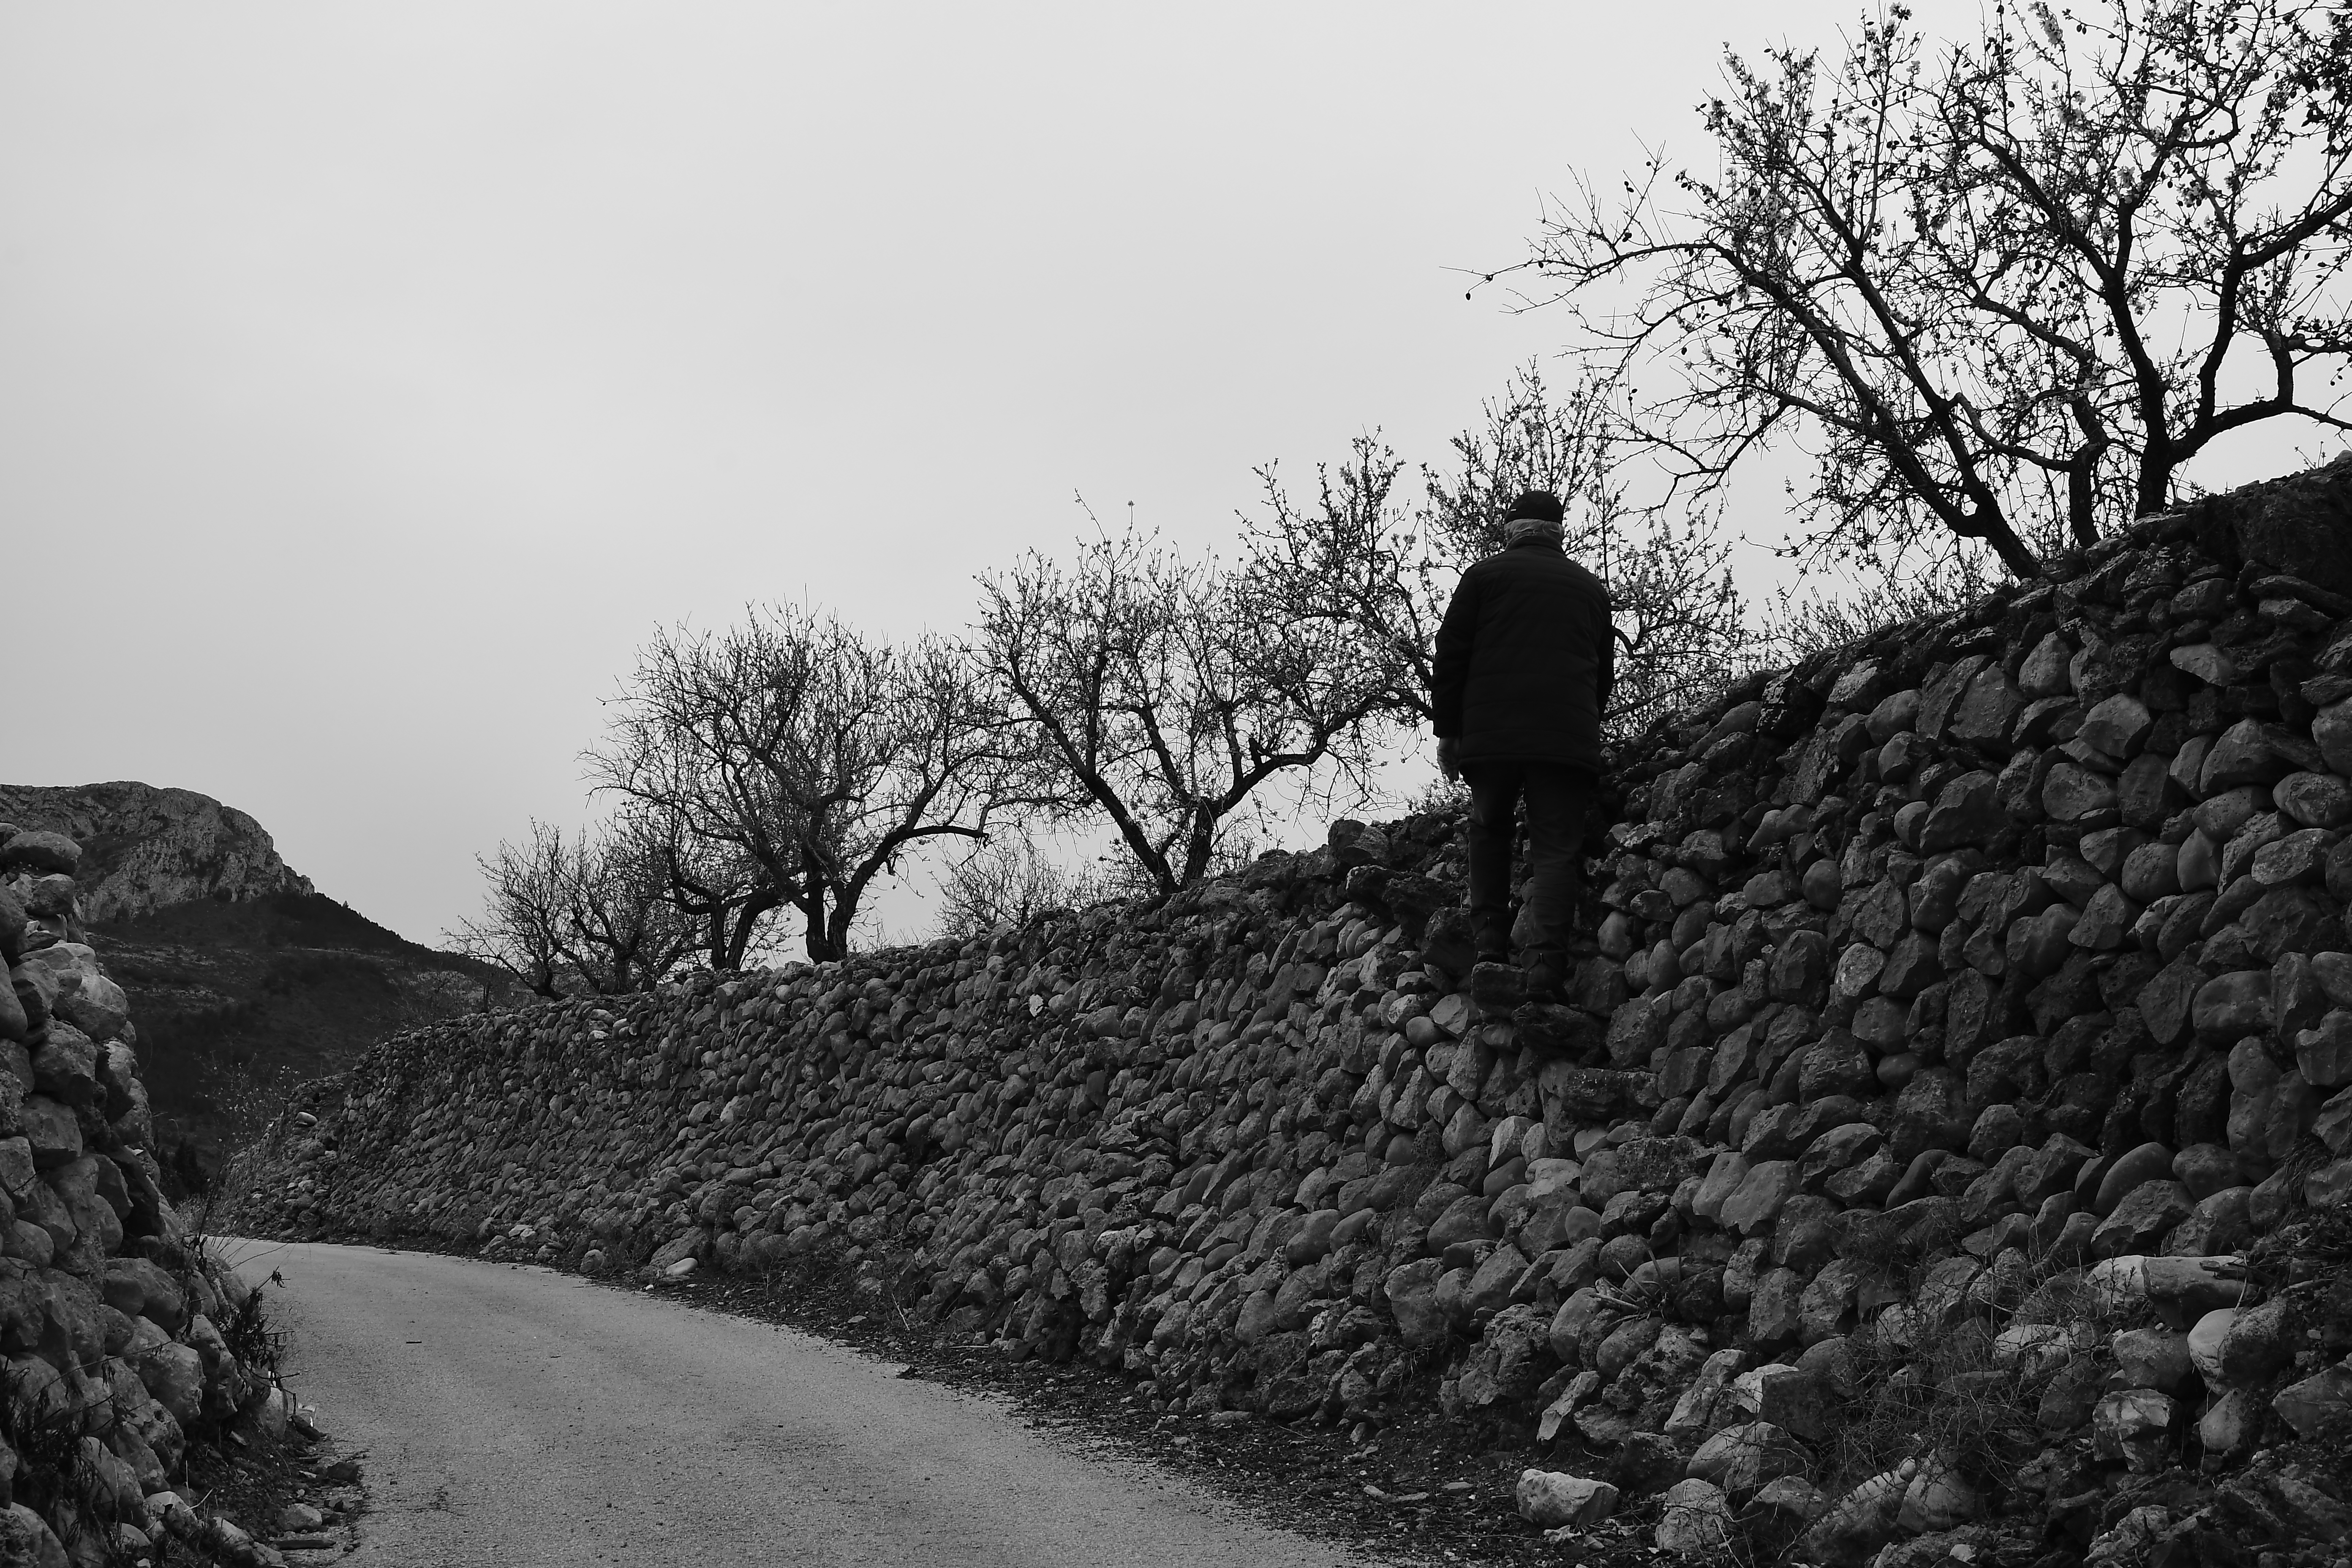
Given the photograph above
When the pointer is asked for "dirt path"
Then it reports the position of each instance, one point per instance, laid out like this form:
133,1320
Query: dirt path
517,1417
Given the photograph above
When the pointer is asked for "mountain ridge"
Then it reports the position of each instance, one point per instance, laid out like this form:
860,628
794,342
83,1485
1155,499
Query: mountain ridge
147,847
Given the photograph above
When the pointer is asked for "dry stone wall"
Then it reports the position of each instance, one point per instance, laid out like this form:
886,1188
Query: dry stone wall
122,1343
1924,1166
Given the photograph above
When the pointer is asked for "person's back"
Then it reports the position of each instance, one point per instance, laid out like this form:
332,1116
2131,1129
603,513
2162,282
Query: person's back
1524,665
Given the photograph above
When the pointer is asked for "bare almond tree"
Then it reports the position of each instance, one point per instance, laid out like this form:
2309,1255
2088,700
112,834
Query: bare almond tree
1007,880
2023,277
795,747
568,915
1159,695
726,895
1376,554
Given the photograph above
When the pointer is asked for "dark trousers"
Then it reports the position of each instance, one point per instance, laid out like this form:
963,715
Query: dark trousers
1557,799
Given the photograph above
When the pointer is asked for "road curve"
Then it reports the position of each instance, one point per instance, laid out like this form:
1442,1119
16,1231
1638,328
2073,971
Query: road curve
518,1417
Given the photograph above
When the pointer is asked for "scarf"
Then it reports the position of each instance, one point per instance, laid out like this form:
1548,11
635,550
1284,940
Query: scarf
1522,530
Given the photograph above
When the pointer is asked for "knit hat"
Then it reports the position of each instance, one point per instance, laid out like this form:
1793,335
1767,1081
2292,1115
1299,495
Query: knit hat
1540,505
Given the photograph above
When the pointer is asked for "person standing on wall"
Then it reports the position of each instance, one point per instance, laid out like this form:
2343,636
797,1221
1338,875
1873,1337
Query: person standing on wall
1525,659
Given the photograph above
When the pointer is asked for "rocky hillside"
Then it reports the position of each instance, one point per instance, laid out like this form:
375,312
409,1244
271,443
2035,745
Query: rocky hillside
244,978
1945,1157
127,1347
145,849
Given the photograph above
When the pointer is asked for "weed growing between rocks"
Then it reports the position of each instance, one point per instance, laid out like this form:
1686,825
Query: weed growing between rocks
297,1496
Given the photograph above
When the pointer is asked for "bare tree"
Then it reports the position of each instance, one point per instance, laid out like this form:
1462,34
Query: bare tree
727,895
1011,881
1159,693
807,756
1377,555
2025,278
568,915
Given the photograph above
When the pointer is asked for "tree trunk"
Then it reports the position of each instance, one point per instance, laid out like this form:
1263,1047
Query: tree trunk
820,940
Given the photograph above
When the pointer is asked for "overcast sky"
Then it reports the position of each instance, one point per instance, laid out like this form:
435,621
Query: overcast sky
374,378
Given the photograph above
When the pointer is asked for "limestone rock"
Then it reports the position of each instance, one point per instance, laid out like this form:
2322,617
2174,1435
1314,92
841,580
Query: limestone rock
2135,1426
2312,1405
2236,1347
1694,1519
1740,1459
164,846
1551,1499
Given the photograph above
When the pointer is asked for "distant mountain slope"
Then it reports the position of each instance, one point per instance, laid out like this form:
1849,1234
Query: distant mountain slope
144,848
242,978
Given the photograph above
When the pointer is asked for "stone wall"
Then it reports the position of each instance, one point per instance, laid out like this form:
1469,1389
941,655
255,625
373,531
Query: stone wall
119,1337
1970,1009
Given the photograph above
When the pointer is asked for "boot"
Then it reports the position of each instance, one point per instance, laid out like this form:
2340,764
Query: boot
1492,937
1547,976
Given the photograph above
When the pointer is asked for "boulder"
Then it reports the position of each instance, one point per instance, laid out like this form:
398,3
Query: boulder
1552,1498
1694,1519
1738,1460
2237,1347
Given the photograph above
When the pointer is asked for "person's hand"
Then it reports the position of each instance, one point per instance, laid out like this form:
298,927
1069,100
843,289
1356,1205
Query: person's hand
1449,759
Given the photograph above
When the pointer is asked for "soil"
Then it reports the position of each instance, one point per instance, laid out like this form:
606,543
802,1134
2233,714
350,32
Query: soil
252,1480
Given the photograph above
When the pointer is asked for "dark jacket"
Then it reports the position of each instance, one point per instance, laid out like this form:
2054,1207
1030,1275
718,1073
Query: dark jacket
1524,661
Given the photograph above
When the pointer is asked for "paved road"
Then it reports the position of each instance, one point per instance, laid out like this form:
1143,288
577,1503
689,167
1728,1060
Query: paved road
518,1417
